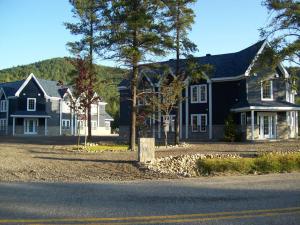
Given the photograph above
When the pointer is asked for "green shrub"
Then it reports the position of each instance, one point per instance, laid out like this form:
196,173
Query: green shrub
265,163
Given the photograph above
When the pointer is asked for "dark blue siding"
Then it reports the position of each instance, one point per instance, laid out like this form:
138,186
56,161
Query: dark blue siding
31,90
225,96
125,108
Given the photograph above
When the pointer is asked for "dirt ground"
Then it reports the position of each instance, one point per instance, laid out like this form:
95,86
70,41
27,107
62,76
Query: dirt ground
26,159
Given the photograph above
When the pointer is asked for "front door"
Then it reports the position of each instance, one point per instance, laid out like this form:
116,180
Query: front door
30,126
267,126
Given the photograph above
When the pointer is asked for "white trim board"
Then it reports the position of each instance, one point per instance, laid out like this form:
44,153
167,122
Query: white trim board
265,108
30,116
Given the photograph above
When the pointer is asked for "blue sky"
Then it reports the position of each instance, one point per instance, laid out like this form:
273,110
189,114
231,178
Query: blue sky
32,30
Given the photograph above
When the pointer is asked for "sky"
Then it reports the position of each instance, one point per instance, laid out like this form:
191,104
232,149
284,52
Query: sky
33,30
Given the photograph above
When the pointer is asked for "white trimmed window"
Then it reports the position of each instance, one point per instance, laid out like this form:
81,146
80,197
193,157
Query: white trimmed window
199,122
107,125
199,93
31,104
2,124
94,125
267,90
243,119
66,124
203,93
194,94
3,106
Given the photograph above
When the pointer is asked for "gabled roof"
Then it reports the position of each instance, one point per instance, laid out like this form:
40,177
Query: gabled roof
224,66
49,87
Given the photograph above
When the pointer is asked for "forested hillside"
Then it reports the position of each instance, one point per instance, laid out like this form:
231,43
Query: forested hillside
61,69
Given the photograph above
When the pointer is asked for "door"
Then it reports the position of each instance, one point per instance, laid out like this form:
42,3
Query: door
267,126
30,126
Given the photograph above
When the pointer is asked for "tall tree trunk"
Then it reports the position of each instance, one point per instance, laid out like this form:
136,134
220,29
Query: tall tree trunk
91,75
177,118
133,107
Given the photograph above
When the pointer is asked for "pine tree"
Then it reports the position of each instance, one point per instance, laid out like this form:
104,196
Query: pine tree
283,31
89,27
180,19
137,31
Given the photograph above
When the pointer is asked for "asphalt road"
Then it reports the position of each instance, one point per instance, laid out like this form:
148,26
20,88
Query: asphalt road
267,199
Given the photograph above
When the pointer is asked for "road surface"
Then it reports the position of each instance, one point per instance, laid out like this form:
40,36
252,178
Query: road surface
266,199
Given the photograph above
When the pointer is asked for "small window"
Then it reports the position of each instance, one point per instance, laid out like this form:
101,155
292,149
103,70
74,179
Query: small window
203,93
194,94
267,90
195,123
203,122
199,122
2,124
31,104
94,125
3,106
107,125
66,124
243,119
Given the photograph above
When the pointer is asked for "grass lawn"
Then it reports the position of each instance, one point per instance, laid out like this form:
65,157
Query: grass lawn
100,148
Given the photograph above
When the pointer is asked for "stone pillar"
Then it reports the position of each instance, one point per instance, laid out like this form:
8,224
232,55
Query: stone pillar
146,148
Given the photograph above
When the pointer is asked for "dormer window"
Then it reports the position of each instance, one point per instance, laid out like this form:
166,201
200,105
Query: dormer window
31,104
267,90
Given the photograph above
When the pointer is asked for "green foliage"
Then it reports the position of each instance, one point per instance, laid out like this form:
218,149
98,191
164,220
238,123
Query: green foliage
265,163
283,31
230,133
60,69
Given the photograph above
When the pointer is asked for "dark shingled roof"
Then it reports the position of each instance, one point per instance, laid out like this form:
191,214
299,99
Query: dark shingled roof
264,104
50,87
225,65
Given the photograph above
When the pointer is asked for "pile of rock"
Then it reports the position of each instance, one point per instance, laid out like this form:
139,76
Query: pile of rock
181,145
183,165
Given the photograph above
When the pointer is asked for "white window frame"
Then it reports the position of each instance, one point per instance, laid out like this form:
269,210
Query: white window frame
197,93
3,106
94,124
271,90
28,99
197,116
199,127
243,119
200,120
205,88
66,124
3,124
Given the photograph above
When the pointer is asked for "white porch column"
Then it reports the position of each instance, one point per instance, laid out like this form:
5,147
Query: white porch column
46,126
180,120
296,123
72,122
60,115
186,112
14,123
252,125
210,108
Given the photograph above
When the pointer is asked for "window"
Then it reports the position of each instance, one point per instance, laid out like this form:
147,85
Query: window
203,122
243,119
171,120
94,125
3,106
203,93
194,94
267,90
2,124
31,104
199,122
199,93
81,123
107,125
66,124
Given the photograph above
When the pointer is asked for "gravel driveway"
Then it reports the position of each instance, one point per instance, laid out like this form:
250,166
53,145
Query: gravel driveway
28,159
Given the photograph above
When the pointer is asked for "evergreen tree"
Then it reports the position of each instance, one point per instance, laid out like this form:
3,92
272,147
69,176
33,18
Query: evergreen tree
89,27
283,31
180,19
137,31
